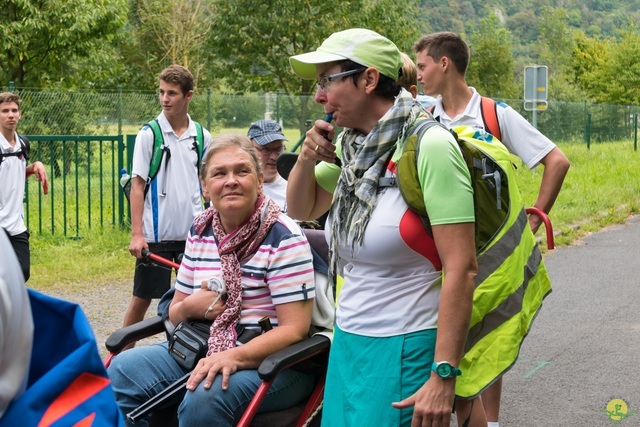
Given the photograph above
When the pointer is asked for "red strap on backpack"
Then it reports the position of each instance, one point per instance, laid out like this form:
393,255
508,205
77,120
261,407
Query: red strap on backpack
488,108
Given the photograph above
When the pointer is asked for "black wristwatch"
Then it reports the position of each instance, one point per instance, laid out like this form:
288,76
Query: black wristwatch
445,370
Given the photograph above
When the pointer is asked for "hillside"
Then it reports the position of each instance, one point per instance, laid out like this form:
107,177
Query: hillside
595,18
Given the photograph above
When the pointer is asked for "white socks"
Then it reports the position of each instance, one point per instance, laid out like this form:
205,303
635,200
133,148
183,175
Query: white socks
491,424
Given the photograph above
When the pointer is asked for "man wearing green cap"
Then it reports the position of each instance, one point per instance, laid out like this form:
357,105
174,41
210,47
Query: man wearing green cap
401,324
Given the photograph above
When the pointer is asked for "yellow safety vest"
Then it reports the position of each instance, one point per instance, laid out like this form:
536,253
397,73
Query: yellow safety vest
511,283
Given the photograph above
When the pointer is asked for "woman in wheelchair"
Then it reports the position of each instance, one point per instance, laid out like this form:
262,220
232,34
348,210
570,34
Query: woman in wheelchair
244,245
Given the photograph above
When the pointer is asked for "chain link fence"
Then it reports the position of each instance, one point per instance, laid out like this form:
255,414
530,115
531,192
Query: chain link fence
82,140
121,113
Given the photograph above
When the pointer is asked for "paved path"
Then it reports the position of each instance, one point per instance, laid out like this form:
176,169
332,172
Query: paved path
583,351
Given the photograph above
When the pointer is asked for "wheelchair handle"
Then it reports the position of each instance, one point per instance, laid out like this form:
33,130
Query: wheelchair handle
159,259
547,224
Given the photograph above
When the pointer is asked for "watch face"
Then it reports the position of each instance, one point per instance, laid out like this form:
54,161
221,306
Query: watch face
444,370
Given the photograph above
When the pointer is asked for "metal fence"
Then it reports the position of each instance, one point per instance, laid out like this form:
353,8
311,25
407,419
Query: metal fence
84,170
583,122
120,113
83,176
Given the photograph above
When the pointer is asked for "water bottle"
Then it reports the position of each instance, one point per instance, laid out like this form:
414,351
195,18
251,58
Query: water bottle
125,182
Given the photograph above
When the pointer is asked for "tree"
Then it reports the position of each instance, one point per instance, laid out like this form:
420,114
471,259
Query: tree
555,48
162,33
253,40
556,41
43,40
590,56
609,70
491,68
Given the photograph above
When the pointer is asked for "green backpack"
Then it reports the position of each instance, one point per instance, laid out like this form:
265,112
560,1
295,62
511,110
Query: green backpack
159,151
159,148
512,280
489,164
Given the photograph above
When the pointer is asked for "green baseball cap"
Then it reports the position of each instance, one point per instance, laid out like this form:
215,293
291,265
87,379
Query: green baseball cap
359,45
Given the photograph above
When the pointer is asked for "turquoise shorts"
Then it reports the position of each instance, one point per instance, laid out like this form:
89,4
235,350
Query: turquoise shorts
366,375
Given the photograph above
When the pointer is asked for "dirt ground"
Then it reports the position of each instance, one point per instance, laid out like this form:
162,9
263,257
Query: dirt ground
104,306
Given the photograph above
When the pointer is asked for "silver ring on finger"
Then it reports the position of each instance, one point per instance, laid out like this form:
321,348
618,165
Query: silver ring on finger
316,149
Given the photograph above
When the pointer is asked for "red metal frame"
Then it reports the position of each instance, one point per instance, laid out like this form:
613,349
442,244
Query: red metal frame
261,393
547,224
314,401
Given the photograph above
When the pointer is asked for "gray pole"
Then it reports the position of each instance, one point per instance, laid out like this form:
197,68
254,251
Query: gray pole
535,98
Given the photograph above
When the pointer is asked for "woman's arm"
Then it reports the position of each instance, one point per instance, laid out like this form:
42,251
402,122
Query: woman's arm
194,306
433,402
306,200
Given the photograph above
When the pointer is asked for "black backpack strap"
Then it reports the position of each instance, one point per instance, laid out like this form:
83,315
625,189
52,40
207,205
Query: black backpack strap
25,146
24,150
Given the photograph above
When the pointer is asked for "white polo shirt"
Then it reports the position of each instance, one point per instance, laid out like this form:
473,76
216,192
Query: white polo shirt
277,191
174,196
518,135
12,183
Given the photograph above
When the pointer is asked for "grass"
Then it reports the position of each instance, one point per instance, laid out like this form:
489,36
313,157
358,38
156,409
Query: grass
601,189
100,257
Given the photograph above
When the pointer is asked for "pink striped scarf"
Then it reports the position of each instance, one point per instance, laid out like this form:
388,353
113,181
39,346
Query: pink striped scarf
234,248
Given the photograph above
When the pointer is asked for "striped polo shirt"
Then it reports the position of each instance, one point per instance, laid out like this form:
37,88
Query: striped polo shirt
281,270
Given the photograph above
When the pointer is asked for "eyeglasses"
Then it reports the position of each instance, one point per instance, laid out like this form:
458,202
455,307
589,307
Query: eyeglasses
269,151
325,81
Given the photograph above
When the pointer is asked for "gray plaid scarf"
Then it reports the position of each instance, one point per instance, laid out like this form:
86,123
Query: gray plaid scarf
365,158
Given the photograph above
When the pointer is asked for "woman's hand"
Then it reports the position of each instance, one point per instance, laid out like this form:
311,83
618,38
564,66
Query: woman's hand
194,306
223,363
294,319
199,302
432,403
317,143
216,306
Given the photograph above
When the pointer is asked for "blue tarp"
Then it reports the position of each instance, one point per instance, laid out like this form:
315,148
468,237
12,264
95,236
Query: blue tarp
68,384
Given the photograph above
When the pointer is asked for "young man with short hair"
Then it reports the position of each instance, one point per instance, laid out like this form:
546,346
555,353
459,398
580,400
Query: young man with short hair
442,60
163,208
13,173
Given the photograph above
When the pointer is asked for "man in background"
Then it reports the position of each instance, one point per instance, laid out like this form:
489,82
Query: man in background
163,207
442,60
409,81
14,157
268,140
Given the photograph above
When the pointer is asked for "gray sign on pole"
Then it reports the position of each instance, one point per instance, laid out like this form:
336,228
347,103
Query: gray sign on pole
535,90
535,83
